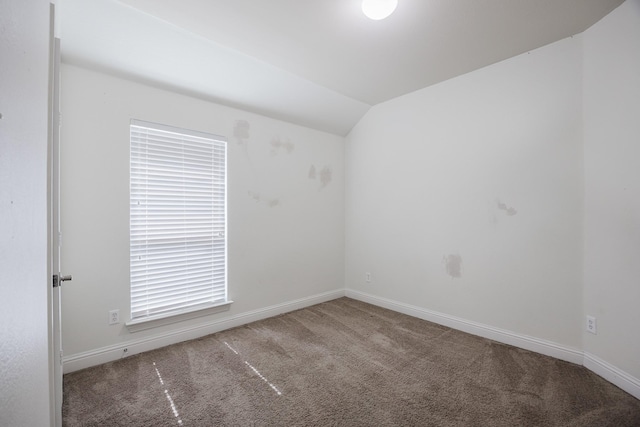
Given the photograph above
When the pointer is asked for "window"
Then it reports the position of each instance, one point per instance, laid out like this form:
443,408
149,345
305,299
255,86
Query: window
178,247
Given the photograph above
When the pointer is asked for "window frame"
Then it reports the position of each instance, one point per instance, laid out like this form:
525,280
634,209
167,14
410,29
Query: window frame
159,179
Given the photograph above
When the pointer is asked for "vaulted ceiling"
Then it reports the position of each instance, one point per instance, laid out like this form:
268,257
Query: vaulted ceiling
318,63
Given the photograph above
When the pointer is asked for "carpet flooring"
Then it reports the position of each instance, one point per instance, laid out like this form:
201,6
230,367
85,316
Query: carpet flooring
343,363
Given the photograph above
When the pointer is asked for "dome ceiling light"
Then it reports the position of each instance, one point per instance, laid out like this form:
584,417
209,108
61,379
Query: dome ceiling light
378,9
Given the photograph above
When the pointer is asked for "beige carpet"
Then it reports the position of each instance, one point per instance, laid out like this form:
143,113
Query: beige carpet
343,363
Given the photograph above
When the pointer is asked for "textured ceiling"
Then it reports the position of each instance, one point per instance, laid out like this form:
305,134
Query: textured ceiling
319,63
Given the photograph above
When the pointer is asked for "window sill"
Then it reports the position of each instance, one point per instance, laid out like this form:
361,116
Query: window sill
177,316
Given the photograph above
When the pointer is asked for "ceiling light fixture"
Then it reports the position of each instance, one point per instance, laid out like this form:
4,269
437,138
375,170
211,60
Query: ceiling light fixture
378,9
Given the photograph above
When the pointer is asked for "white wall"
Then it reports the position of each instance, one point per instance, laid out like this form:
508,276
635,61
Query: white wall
24,351
507,197
485,168
612,176
285,228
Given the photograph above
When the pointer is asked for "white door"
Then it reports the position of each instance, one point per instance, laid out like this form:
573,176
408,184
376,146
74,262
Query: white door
56,235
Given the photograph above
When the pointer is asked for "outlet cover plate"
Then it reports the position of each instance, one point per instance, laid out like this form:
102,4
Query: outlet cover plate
114,317
591,325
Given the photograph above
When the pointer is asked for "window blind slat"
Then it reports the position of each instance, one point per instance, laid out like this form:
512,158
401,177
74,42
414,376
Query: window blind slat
158,297
177,219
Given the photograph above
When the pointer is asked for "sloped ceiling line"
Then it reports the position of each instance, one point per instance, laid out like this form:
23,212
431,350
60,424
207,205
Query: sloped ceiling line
320,64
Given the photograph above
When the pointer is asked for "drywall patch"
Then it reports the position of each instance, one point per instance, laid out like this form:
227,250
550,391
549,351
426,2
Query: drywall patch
278,144
324,175
453,265
254,196
507,209
269,202
241,131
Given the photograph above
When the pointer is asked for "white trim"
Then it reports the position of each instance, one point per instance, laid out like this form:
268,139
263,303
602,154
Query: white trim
537,345
110,353
179,316
618,377
615,376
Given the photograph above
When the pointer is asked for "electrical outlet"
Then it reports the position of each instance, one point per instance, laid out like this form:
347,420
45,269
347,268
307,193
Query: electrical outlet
591,325
114,317
367,277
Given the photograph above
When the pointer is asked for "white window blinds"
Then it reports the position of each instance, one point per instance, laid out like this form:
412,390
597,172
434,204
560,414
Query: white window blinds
177,220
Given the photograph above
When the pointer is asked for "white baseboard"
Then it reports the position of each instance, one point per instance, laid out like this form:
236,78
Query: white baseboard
616,376
625,381
110,353
507,337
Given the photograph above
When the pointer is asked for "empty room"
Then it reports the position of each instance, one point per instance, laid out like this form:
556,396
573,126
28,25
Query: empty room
336,212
